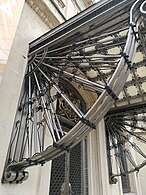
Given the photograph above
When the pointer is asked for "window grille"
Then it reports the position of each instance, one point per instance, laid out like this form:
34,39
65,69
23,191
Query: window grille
76,177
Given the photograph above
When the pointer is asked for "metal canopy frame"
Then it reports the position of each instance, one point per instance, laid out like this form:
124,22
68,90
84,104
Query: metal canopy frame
95,51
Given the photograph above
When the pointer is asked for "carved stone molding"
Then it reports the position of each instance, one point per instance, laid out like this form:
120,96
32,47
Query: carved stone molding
44,12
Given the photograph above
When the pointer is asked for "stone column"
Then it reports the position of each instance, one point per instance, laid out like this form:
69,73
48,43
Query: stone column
29,28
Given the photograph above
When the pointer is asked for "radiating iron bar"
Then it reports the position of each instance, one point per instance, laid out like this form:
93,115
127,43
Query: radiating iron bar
39,131
39,138
41,128
89,43
21,100
25,143
84,60
100,44
35,128
140,128
65,97
87,40
30,112
137,149
56,117
36,65
118,156
86,64
138,167
137,119
39,134
120,163
120,133
17,127
24,129
89,61
88,83
114,129
113,134
130,158
140,138
132,129
82,57
13,140
94,50
130,118
132,170
128,109
102,37
108,46
110,169
17,149
142,164
108,41
54,124
31,59
110,24
116,126
46,111
52,113
28,141
24,148
52,116
41,54
31,141
49,123
89,65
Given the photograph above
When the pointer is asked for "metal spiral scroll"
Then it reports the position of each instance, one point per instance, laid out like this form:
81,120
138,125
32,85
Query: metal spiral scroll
94,51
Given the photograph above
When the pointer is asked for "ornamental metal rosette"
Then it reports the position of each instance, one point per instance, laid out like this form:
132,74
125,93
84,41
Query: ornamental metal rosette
94,52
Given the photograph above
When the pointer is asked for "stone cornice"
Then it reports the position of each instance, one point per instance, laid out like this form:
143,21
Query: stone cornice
88,2
44,12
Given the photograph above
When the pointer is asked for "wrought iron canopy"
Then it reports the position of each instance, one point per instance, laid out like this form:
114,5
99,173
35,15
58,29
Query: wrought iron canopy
94,51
